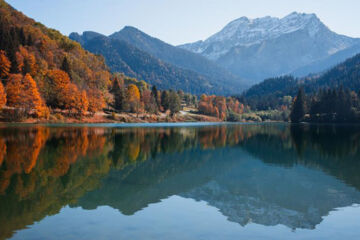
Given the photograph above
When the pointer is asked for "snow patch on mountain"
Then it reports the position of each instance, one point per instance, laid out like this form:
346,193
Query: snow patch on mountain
247,32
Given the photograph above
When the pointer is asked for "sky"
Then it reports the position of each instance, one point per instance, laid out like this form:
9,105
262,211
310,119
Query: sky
180,21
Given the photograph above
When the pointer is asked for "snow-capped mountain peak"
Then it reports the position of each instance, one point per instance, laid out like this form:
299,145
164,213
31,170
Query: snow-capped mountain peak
260,48
245,31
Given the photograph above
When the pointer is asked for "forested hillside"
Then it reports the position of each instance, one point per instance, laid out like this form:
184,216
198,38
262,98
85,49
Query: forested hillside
178,56
271,92
45,75
123,56
41,68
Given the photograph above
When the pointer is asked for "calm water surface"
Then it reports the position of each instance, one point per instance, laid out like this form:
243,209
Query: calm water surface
236,181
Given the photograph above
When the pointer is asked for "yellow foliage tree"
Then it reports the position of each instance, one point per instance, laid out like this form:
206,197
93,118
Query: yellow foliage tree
133,97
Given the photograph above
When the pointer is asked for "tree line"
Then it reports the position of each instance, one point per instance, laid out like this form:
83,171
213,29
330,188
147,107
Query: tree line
46,75
130,97
326,106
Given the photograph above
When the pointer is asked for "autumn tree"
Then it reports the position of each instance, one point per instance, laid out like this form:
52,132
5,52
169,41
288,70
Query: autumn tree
84,103
133,97
2,96
75,101
31,99
22,93
96,100
221,108
26,61
13,90
56,88
5,65
149,101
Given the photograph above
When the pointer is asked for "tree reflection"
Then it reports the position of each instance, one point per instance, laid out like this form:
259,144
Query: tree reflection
43,169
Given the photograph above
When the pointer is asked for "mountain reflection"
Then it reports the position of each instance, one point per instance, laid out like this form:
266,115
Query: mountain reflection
267,174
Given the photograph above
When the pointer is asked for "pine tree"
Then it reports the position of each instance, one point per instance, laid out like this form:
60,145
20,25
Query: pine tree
165,100
65,66
298,110
154,93
119,95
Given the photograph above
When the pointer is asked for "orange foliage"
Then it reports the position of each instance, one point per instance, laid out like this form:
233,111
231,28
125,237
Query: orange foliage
83,103
219,106
75,100
2,96
95,100
26,62
13,90
21,157
22,92
5,65
56,90
31,98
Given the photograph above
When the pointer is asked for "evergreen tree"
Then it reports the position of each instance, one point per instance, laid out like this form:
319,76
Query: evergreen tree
29,40
65,66
119,95
174,102
298,110
165,100
154,93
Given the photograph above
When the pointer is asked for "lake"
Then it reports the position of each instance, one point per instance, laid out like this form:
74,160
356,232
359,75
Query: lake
180,181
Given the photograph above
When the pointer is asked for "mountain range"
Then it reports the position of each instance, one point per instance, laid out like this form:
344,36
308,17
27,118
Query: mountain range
255,49
141,56
242,54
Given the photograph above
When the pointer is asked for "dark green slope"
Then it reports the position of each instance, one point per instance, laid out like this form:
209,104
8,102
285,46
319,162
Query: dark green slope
176,56
266,93
123,57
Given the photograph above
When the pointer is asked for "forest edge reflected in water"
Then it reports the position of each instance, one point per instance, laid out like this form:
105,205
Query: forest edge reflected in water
43,169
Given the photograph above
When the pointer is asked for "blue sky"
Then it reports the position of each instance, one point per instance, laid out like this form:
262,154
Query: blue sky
181,21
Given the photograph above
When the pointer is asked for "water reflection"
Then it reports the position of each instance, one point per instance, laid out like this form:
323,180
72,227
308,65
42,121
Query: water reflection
266,174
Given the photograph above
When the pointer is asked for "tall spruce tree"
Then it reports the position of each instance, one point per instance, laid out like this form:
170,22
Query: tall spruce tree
154,93
119,95
65,66
299,108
